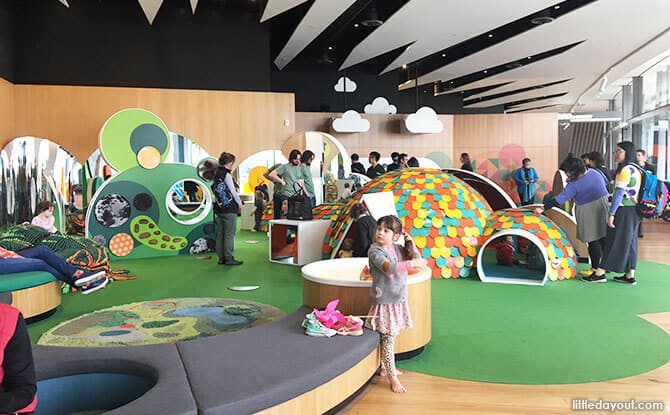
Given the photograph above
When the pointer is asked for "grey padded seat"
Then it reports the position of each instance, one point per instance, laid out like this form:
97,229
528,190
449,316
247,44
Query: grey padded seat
161,362
254,369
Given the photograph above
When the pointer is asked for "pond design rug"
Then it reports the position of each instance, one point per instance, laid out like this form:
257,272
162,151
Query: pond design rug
159,321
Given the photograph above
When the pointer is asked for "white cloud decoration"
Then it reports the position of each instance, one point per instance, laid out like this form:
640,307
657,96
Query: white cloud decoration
380,105
423,121
345,81
351,122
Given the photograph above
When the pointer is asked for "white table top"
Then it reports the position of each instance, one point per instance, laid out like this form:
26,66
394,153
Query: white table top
294,222
347,272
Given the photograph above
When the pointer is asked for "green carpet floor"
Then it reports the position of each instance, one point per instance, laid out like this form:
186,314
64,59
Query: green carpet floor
564,332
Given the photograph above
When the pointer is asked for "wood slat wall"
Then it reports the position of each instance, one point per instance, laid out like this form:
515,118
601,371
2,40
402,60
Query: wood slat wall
240,122
6,110
385,135
484,136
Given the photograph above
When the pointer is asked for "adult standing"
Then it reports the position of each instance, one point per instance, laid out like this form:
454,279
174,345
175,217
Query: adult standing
623,220
357,166
402,161
587,188
305,164
596,161
276,191
525,178
641,159
290,176
394,162
375,170
226,209
466,164
17,376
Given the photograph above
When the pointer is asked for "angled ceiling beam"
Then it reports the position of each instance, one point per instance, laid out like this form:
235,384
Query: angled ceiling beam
318,18
276,7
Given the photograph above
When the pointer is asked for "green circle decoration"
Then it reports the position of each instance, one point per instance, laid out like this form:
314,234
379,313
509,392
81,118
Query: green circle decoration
145,129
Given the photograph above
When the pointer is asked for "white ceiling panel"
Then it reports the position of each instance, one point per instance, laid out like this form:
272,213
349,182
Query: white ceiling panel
551,90
434,25
318,18
513,86
276,7
599,24
539,103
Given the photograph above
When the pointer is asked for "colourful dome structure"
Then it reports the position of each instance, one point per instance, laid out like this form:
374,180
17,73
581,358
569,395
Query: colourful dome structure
560,253
445,217
327,211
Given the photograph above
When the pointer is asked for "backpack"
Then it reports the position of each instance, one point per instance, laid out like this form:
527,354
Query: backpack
653,197
223,196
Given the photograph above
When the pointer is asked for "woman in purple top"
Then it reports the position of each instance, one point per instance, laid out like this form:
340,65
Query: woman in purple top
587,188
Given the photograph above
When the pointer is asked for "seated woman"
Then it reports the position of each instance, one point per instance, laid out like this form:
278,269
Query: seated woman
17,376
42,258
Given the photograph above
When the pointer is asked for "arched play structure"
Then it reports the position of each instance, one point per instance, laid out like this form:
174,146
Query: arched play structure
492,192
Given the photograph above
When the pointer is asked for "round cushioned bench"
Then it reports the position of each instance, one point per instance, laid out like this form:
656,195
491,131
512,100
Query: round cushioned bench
34,293
273,368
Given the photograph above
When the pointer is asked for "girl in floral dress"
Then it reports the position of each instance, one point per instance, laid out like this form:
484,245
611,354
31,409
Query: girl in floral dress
389,312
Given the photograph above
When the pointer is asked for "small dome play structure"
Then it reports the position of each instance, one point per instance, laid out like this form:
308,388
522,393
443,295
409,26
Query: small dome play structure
538,229
445,217
329,211
496,197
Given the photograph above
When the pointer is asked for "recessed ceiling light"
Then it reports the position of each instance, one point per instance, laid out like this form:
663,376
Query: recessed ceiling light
355,24
541,20
372,23
557,7
490,34
485,71
404,66
530,57
444,55
330,48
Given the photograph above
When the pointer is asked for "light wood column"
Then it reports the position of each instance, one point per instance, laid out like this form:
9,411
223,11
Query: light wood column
37,300
356,301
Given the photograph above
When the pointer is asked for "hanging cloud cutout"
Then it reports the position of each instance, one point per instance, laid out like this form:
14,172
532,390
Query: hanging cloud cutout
424,121
351,122
380,105
345,81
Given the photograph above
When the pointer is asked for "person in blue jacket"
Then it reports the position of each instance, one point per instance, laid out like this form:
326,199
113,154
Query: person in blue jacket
525,178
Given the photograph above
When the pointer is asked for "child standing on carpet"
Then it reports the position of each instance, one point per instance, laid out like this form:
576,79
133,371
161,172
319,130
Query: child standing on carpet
389,312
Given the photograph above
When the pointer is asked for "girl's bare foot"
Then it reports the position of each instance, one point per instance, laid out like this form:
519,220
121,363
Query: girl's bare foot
396,386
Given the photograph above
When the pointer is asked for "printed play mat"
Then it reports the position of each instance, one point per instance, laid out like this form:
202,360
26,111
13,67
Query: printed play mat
160,321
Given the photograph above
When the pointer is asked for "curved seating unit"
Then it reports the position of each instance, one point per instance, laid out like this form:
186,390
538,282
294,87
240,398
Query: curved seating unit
273,368
34,293
326,280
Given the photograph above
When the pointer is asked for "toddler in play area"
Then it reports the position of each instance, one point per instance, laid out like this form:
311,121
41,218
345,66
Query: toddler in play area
389,264
45,216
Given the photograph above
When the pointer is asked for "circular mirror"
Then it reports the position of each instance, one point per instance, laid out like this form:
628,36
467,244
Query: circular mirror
188,201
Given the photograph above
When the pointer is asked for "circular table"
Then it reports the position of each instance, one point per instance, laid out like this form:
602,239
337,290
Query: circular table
324,281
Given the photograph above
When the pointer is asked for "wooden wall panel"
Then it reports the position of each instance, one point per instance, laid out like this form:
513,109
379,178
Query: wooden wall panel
240,122
529,135
6,110
385,135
